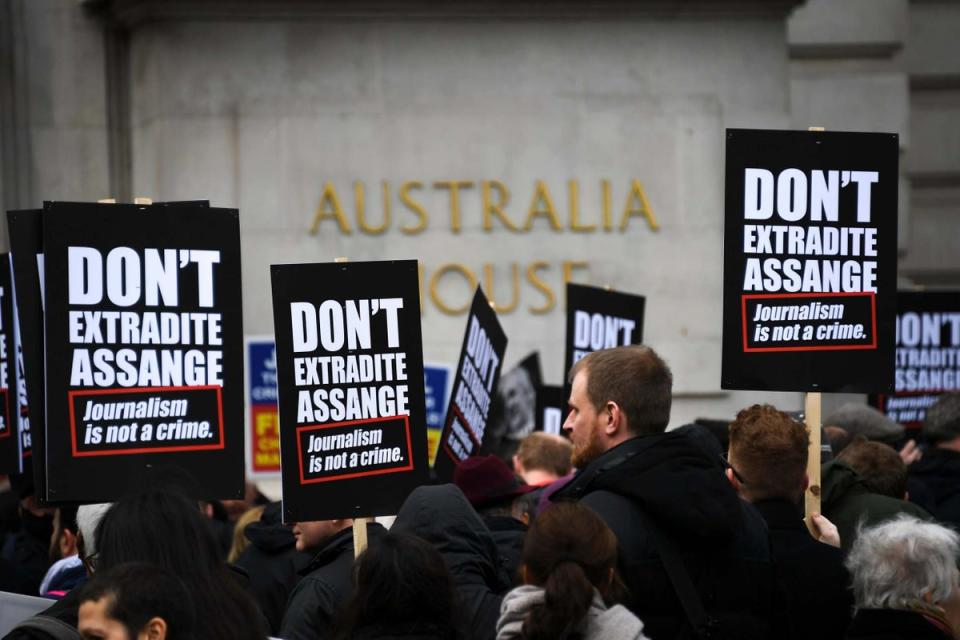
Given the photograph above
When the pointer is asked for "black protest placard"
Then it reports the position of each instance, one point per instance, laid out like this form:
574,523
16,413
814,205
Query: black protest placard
10,461
471,395
927,355
144,348
350,380
600,319
550,413
810,261
26,257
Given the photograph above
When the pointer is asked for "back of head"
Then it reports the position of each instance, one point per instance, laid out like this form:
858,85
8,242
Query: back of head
569,551
880,467
863,420
88,520
402,584
903,563
168,530
634,377
768,450
548,452
942,420
137,592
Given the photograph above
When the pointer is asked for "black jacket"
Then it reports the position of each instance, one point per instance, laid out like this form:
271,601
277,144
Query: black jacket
326,586
888,624
272,564
508,534
817,585
672,480
442,516
939,473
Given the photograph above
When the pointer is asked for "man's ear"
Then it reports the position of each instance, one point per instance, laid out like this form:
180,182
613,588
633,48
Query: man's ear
155,629
517,465
615,420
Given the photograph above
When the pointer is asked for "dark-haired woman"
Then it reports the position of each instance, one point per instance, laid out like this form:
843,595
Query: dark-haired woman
403,590
168,530
568,568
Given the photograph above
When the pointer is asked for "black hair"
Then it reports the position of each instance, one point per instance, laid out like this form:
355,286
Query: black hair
138,592
402,586
168,530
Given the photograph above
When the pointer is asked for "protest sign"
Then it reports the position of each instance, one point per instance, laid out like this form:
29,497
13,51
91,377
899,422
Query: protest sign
927,355
263,428
10,461
144,348
350,374
550,409
478,370
26,257
809,261
600,319
436,381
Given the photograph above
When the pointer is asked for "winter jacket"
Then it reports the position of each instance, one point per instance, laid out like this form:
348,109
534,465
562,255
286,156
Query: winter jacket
272,563
600,623
848,504
326,586
442,516
819,598
939,473
670,479
890,624
508,534
417,632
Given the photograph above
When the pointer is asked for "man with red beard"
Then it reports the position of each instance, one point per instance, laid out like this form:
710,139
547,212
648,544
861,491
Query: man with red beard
692,554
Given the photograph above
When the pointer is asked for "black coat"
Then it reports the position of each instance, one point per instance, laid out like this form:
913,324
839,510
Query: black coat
442,516
817,585
888,624
272,564
327,584
508,534
671,479
939,473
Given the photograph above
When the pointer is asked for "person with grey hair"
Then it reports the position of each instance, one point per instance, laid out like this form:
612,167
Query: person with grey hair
863,420
905,581
938,471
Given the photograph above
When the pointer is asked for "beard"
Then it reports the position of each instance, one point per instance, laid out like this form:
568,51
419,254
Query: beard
587,452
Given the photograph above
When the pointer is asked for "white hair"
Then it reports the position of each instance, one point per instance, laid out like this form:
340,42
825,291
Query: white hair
88,517
896,563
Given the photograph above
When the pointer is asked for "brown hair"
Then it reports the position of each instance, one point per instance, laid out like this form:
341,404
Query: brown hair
568,551
634,377
545,452
878,465
768,449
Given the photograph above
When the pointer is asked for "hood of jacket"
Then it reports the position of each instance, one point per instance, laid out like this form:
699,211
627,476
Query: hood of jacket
673,478
442,516
615,623
269,533
838,481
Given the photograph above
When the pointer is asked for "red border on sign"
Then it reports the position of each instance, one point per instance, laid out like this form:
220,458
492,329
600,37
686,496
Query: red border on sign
856,347
6,413
470,432
118,452
359,474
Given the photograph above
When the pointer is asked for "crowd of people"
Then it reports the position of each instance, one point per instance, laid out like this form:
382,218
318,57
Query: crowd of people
622,529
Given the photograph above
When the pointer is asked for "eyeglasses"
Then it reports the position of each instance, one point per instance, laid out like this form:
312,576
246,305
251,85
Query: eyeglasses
726,465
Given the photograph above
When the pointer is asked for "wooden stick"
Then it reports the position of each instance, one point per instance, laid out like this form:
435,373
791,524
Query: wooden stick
813,404
107,201
142,200
360,535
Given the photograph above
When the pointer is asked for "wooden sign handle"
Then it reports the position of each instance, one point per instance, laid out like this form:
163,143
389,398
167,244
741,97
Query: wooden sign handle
360,535
813,406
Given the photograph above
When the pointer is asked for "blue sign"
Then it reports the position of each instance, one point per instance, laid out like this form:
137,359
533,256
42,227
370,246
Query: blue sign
263,372
436,380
